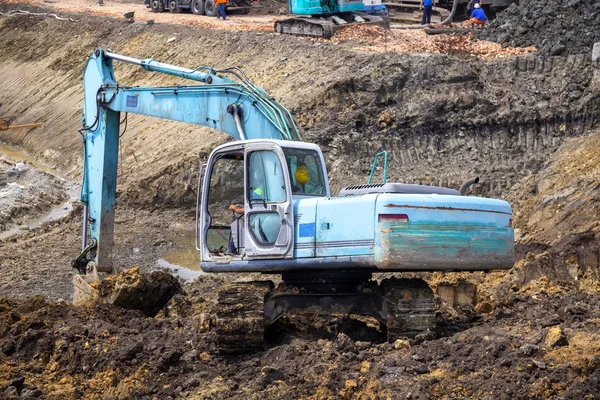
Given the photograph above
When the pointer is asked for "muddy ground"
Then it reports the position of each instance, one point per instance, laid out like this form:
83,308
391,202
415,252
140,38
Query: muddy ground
24,191
445,108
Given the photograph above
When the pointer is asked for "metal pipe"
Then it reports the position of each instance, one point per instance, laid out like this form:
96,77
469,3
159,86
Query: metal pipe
151,65
238,121
466,184
85,227
126,59
408,26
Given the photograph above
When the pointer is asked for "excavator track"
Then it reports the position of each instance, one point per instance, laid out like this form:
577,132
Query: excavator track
240,322
325,27
305,27
411,307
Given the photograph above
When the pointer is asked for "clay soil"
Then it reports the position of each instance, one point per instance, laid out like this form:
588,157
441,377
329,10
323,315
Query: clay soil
447,108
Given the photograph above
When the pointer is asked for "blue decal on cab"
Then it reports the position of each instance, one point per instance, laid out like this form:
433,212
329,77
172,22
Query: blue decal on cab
307,230
132,101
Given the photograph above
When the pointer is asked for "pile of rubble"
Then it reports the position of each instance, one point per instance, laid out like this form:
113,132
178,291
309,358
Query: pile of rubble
555,27
378,40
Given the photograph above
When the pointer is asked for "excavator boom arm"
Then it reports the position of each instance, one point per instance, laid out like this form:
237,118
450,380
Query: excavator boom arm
234,106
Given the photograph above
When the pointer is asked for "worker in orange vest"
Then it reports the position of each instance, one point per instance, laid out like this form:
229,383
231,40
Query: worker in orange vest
221,8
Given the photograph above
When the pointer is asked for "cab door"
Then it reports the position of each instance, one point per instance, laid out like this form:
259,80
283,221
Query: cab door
269,215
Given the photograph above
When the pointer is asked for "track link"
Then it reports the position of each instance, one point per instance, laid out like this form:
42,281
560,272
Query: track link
305,27
411,307
240,317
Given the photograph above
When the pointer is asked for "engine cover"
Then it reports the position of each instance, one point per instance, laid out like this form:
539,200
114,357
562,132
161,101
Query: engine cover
403,188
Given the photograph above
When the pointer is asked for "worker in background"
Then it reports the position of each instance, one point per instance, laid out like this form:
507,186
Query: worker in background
478,16
471,4
221,9
427,7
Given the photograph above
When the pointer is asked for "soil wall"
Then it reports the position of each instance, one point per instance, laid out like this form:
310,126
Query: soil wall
442,118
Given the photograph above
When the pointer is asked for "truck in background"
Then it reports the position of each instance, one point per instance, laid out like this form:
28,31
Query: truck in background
200,7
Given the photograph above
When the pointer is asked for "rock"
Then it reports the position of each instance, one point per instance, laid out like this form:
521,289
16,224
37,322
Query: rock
344,344
21,167
528,349
130,351
461,294
191,383
10,393
539,364
555,337
596,52
28,393
191,355
134,290
401,344
17,383
506,362
484,308
385,118
557,50
419,368
270,375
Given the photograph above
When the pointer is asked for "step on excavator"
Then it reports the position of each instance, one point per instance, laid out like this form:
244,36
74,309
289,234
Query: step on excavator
326,248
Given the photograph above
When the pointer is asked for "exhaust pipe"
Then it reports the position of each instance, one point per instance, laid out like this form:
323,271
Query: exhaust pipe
466,184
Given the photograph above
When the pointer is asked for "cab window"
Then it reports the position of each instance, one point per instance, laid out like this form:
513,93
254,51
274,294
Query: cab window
305,171
266,182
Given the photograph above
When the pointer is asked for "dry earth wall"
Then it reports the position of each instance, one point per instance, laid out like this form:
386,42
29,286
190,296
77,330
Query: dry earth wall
442,118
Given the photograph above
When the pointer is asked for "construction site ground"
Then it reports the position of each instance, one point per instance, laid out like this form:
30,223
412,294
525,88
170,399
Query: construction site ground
445,107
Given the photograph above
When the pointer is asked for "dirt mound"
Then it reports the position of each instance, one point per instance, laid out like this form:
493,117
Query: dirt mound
60,351
133,290
379,40
555,27
566,194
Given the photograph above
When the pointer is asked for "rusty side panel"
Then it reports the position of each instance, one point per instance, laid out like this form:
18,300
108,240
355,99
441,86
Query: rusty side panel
446,235
444,208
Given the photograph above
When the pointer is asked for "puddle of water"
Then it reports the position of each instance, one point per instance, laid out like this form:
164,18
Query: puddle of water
185,253
20,156
59,212
186,274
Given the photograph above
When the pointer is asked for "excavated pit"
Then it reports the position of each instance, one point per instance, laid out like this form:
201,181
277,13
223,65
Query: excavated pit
526,124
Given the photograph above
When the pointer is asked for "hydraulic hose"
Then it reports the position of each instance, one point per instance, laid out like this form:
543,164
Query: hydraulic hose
448,20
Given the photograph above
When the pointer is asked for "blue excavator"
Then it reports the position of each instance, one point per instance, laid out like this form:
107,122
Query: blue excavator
284,219
322,18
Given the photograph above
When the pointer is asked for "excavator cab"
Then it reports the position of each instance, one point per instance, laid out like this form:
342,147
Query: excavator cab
260,179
